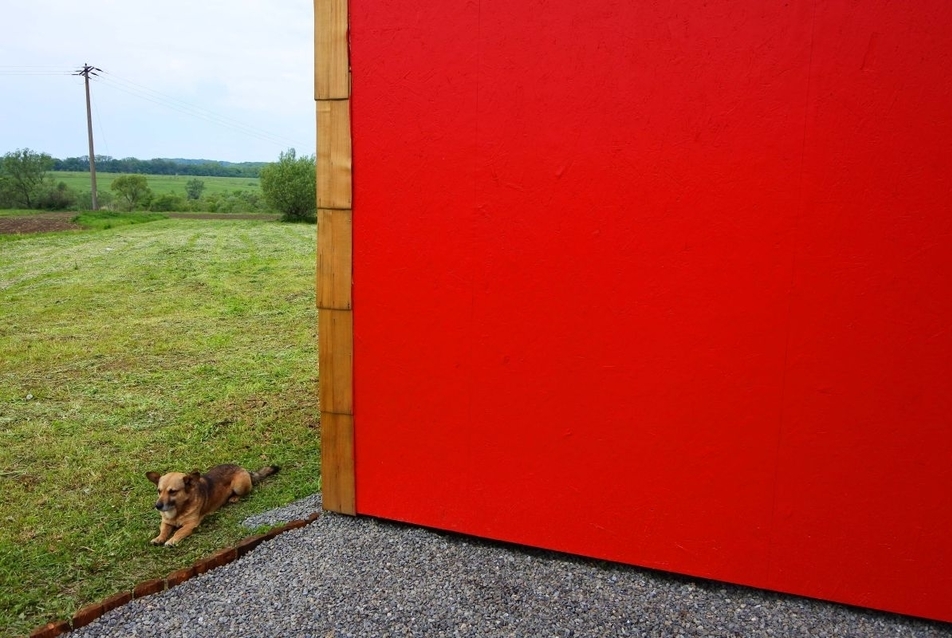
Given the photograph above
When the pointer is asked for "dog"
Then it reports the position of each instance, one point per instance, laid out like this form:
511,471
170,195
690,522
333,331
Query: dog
185,499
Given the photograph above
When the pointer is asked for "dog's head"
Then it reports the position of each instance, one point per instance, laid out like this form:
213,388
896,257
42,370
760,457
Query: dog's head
175,489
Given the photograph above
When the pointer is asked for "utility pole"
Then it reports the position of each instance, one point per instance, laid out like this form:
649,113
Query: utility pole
86,71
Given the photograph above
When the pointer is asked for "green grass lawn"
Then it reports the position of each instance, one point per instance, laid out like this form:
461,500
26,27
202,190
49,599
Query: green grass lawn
174,344
160,184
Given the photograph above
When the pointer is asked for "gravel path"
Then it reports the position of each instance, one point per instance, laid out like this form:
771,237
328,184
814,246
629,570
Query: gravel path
343,576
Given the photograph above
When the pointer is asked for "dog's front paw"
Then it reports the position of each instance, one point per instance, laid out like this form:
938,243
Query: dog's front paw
171,542
158,540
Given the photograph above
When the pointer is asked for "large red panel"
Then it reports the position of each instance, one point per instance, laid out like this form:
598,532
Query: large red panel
865,456
663,283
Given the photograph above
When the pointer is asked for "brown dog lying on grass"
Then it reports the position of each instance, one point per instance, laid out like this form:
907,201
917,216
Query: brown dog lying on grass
185,499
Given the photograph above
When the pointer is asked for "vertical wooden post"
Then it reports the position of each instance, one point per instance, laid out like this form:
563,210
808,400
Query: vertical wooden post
334,242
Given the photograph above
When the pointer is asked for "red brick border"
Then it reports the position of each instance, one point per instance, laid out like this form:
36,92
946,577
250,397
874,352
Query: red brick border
92,612
87,614
51,630
179,576
148,587
116,601
247,544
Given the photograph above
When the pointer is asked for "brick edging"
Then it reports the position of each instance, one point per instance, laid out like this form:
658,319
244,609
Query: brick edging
89,613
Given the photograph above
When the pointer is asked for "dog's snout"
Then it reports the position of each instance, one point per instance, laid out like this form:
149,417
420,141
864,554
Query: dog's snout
160,505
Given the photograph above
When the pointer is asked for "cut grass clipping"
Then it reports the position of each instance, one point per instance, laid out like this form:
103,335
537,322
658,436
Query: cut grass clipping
103,220
172,345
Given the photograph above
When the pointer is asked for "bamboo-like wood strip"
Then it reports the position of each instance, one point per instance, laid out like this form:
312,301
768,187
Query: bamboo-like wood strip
334,262
337,463
335,338
335,248
334,187
331,66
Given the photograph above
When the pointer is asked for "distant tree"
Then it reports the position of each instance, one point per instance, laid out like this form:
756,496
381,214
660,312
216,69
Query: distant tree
289,186
133,190
158,166
23,178
194,188
71,164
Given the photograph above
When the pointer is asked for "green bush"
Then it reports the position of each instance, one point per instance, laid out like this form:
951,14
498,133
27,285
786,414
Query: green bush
234,202
59,197
133,191
289,187
84,200
167,203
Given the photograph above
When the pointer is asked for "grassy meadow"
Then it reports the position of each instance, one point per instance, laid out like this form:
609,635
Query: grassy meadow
160,184
169,345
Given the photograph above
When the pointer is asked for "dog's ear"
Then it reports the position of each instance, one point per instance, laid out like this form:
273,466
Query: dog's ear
153,476
191,479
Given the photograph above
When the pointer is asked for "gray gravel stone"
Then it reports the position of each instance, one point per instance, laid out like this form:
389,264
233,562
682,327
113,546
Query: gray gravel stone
343,576
297,511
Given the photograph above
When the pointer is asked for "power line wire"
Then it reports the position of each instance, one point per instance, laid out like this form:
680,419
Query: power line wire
143,92
151,95
25,72
98,121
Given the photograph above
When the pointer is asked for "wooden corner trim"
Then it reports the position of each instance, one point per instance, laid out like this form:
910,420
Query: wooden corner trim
334,259
334,155
337,463
334,255
331,57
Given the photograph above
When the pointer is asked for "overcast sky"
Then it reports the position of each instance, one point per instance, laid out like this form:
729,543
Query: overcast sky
201,79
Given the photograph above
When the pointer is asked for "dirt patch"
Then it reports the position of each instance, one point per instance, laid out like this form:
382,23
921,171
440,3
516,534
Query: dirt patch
39,223
56,222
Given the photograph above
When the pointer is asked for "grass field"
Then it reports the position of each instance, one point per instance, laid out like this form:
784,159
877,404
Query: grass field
160,184
172,344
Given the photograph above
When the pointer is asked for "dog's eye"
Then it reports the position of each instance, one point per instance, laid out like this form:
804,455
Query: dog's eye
172,492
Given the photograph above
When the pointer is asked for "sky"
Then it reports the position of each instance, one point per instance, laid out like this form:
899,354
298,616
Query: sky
224,80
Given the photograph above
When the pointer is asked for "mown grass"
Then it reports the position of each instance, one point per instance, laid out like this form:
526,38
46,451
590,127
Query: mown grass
104,219
160,184
176,344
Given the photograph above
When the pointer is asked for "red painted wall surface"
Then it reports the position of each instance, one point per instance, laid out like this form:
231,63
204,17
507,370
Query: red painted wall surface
667,283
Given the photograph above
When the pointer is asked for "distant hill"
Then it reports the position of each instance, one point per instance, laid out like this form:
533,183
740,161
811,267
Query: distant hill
162,166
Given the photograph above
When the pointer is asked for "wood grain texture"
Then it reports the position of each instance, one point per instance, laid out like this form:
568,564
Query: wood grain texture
337,463
331,67
334,257
336,360
334,187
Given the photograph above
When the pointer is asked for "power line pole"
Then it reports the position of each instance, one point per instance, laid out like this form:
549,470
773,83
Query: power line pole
86,71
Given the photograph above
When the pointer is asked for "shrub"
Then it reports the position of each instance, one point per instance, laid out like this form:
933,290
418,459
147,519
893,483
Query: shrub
132,190
84,200
59,197
167,202
289,187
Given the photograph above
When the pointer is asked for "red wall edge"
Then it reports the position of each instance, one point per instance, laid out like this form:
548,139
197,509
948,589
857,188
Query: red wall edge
666,283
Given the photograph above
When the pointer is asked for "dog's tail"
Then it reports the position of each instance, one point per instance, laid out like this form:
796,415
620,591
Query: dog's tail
263,473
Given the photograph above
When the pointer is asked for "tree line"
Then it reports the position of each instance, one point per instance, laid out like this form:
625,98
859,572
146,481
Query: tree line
288,186
160,166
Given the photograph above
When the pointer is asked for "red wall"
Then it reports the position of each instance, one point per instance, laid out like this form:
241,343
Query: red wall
667,283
